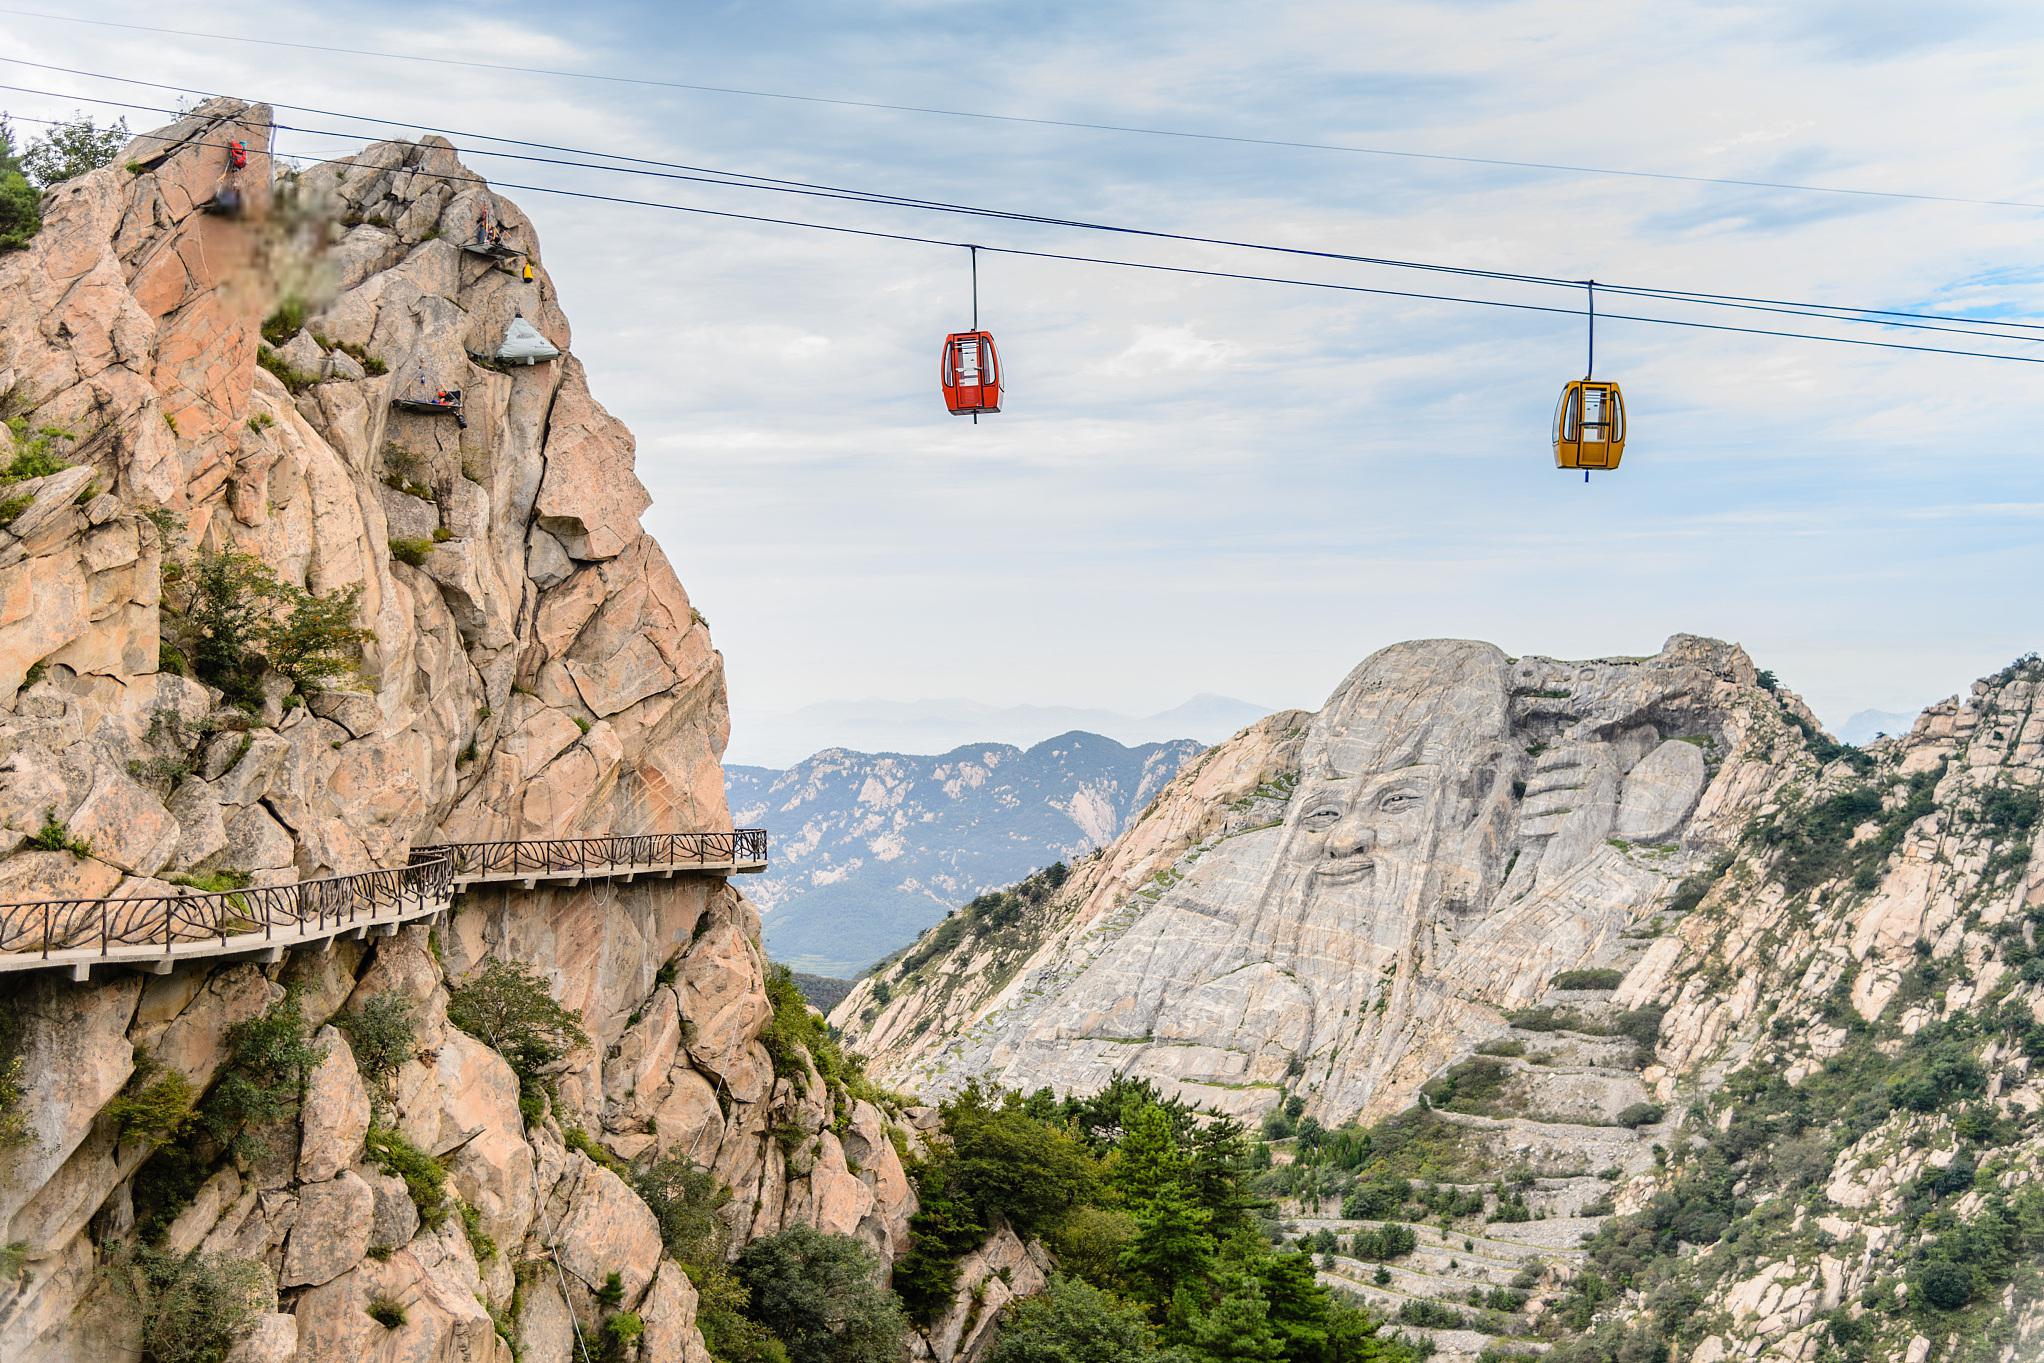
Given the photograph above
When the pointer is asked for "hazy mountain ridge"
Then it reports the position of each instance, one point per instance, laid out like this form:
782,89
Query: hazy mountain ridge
781,740
871,848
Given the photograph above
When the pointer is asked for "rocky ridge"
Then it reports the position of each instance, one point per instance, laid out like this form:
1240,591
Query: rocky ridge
530,666
1743,1067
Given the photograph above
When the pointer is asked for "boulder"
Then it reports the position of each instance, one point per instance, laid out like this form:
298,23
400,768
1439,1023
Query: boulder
331,1233
334,1114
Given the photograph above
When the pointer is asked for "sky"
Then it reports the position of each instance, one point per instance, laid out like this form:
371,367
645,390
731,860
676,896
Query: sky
1202,485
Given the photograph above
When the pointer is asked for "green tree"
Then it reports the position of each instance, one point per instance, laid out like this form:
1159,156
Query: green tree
236,620
1147,1158
1089,1242
1073,1322
1012,1166
1219,1174
685,1200
383,1034
193,1307
506,1005
268,1057
1171,1245
71,148
821,1295
1237,1329
20,206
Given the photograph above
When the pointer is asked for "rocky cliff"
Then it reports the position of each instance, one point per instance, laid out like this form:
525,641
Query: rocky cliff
871,848
1701,1036
1335,905
183,386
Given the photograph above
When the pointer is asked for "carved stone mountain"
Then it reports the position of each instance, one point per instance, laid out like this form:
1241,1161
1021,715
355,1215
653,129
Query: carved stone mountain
1448,832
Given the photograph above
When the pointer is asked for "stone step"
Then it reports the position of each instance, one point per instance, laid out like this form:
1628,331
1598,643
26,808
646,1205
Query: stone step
1557,1149
1457,1344
1439,1283
1555,1233
1512,1251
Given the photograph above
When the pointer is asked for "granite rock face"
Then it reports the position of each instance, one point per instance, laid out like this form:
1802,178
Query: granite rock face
539,672
1423,854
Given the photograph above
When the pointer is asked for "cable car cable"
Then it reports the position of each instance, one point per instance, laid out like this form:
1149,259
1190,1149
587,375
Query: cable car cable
1157,267
809,189
1553,167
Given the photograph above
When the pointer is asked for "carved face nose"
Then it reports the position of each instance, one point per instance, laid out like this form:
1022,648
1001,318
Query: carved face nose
1351,837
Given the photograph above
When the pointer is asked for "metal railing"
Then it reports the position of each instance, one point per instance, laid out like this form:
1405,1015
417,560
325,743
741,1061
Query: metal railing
528,858
306,908
210,920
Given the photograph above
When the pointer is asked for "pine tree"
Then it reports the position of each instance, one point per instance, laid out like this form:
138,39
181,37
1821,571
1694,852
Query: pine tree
1171,1247
1238,1329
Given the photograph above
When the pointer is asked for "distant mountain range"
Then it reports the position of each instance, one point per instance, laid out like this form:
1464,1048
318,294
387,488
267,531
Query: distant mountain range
939,726
869,849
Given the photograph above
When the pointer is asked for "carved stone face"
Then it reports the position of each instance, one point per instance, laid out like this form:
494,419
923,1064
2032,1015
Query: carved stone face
1345,826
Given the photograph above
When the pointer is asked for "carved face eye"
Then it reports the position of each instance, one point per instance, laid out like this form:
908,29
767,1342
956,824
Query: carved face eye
1399,801
1322,816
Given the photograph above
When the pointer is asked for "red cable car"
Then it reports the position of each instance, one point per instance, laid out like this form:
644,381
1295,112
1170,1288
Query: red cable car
971,373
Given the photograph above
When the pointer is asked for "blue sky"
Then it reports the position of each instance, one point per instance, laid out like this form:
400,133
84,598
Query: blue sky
1203,485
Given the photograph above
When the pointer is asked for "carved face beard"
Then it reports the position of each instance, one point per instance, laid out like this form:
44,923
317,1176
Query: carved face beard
1357,849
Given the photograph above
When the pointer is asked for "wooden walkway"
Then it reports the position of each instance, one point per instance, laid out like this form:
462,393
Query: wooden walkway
154,932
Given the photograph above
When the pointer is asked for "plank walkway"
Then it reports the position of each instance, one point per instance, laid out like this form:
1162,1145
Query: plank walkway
154,932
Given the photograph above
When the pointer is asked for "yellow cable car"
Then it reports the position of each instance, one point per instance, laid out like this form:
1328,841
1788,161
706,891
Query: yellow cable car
1589,425
1589,421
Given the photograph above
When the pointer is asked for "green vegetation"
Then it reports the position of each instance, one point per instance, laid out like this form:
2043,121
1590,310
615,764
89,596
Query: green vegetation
53,836
479,1242
1148,1204
294,379
987,914
386,1312
824,992
210,882
1600,978
794,1031
155,1106
1478,1085
409,550
1814,841
1074,1322
287,320
230,615
1379,1243
12,507
1642,1026
425,1178
20,206
383,1034
820,1295
1697,885
268,1057
1742,1176
71,148
193,1308
507,1006
621,1336
14,1132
